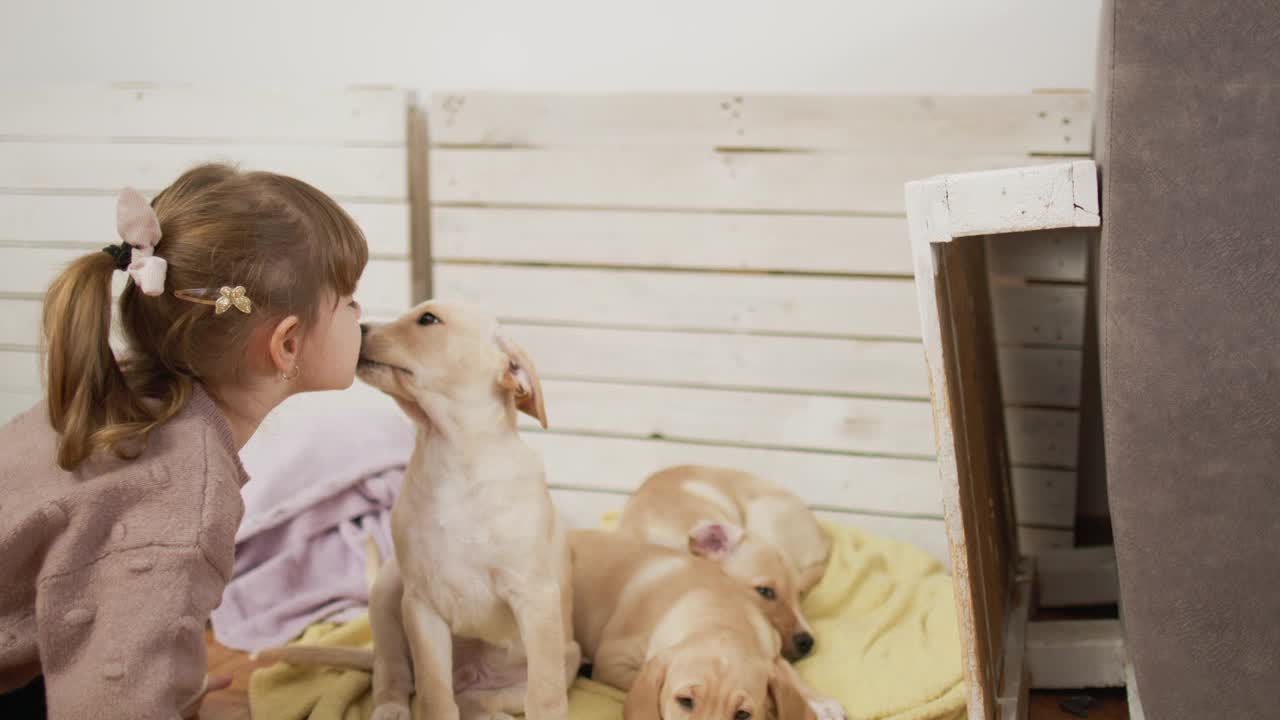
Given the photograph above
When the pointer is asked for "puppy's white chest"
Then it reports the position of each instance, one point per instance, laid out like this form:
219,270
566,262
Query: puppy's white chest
451,565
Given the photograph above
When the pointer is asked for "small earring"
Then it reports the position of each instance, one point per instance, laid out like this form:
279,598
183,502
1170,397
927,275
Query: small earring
289,376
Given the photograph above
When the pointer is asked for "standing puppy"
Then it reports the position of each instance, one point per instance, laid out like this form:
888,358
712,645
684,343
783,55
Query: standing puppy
481,569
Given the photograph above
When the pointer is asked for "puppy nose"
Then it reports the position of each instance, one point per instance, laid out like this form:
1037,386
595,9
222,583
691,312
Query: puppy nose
803,642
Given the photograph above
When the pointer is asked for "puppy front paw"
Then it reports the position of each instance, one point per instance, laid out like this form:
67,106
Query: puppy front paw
825,708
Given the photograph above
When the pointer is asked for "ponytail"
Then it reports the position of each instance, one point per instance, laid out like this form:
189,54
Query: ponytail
89,400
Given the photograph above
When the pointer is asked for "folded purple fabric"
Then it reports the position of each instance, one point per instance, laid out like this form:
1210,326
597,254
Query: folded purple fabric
319,487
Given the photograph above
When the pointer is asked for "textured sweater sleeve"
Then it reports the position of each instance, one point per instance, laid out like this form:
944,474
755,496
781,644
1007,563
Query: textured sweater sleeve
123,637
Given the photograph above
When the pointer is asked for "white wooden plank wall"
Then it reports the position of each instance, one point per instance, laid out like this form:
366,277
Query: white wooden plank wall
727,279
66,151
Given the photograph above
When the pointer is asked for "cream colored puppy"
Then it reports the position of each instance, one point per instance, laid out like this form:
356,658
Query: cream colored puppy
677,634
481,573
761,534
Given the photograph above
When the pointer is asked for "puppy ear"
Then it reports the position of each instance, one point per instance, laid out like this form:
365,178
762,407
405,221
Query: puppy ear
521,378
644,699
788,703
713,540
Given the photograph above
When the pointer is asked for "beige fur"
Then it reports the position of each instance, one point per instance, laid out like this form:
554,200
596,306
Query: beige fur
759,533
671,629
478,590
772,541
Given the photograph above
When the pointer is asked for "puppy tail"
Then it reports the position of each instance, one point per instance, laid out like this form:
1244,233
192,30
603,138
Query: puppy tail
349,658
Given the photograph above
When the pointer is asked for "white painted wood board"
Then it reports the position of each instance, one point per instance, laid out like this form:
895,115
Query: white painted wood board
370,116
1040,376
824,244
1020,199
828,244
1078,576
689,179
1032,540
1059,255
1044,498
1042,437
849,307
1065,654
348,173
1035,123
727,360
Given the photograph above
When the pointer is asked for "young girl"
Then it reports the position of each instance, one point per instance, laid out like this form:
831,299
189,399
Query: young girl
120,493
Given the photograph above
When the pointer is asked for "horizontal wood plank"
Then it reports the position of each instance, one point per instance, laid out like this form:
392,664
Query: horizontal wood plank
834,306
582,509
835,482
1020,199
367,173
1040,376
780,243
13,403
19,321
350,116
90,220
1032,540
1079,576
850,307
1065,654
1046,124
759,362
1042,437
798,422
690,179
1035,314
20,371
1060,255
1044,498
812,365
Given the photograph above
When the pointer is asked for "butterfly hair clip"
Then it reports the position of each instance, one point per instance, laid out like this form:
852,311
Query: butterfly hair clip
222,299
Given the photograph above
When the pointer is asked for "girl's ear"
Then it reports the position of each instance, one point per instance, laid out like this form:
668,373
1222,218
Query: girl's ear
284,345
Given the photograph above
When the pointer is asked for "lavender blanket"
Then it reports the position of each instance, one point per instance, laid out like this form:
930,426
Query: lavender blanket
320,486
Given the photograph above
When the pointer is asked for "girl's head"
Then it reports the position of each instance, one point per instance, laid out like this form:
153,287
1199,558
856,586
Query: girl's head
296,253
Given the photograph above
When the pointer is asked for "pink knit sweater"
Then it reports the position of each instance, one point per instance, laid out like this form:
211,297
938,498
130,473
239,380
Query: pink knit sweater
108,573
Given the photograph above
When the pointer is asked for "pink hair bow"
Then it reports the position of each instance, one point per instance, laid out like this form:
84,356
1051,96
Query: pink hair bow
140,229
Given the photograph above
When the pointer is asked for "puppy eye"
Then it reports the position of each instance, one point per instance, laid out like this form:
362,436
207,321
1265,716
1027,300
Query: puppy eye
767,593
742,715
428,319
685,702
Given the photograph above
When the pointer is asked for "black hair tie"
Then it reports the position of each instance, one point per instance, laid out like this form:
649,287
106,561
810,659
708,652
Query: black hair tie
122,254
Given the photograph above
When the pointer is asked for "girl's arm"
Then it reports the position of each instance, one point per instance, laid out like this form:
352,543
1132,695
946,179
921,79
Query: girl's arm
123,636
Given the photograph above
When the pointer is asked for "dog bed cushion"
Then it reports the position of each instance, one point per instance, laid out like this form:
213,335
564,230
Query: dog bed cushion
888,647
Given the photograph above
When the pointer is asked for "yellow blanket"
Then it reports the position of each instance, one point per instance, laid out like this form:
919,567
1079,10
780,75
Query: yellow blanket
883,615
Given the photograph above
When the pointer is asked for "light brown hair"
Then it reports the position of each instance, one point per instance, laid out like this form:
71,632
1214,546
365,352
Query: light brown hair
282,239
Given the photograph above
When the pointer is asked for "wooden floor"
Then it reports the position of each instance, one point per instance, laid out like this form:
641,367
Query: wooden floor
233,703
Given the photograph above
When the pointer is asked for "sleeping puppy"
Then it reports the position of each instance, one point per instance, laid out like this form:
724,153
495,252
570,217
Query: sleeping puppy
759,533
475,609
677,634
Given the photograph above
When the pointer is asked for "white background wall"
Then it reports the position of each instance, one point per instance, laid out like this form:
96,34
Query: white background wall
855,46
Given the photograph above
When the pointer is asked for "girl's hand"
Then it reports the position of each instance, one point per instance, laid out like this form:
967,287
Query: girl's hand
212,683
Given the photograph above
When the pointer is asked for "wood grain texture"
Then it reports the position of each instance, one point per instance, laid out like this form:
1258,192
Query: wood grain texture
1051,124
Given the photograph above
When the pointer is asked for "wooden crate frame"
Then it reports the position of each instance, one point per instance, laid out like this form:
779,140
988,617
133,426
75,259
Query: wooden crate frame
950,220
